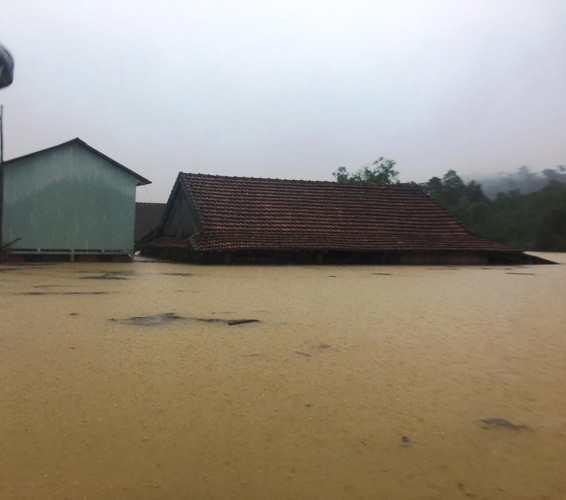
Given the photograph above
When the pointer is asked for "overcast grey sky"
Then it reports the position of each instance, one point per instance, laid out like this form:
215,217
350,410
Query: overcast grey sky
289,89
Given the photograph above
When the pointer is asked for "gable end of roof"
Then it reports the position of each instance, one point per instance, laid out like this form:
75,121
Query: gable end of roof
142,181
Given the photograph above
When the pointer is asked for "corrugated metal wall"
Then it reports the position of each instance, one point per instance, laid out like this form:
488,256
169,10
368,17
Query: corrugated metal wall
68,198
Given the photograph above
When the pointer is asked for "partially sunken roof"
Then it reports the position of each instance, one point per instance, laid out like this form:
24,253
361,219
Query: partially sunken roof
148,217
142,181
243,213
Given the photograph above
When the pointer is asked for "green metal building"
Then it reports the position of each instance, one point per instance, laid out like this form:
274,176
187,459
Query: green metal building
68,201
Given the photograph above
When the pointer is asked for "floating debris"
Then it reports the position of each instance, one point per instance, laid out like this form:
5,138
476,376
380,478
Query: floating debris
306,354
157,319
501,422
241,321
524,274
325,346
382,274
229,322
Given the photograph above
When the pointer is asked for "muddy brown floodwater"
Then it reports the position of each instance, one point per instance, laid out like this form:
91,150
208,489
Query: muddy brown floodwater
353,382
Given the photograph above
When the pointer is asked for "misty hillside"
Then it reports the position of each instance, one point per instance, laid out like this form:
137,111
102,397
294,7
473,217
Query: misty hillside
523,180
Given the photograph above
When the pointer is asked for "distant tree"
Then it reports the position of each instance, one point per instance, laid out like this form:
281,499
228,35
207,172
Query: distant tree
474,192
433,187
555,175
381,171
453,188
466,202
449,190
551,234
341,174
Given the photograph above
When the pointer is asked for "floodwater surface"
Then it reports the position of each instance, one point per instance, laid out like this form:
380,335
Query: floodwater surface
155,380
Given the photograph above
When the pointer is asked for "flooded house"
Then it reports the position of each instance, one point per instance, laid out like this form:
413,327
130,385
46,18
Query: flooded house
68,202
221,219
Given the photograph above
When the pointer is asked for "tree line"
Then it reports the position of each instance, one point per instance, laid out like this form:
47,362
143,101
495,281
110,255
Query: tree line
533,220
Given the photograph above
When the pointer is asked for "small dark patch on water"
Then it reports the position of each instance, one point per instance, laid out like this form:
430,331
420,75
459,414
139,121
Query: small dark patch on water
160,319
405,441
229,322
382,274
305,354
502,423
73,314
253,355
524,274
177,274
325,346
156,319
104,277
332,276
233,322
63,293
7,269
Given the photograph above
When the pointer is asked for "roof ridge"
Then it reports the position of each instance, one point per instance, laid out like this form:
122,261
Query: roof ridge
142,180
332,183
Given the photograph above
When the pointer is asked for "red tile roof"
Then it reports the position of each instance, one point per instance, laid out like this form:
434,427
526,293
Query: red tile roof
242,213
148,217
168,242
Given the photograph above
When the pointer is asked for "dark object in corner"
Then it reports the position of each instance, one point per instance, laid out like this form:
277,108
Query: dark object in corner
6,68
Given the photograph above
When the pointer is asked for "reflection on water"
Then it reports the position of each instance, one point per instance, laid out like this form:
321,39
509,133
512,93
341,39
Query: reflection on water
353,382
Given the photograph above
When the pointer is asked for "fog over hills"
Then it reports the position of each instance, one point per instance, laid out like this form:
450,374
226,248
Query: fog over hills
523,180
